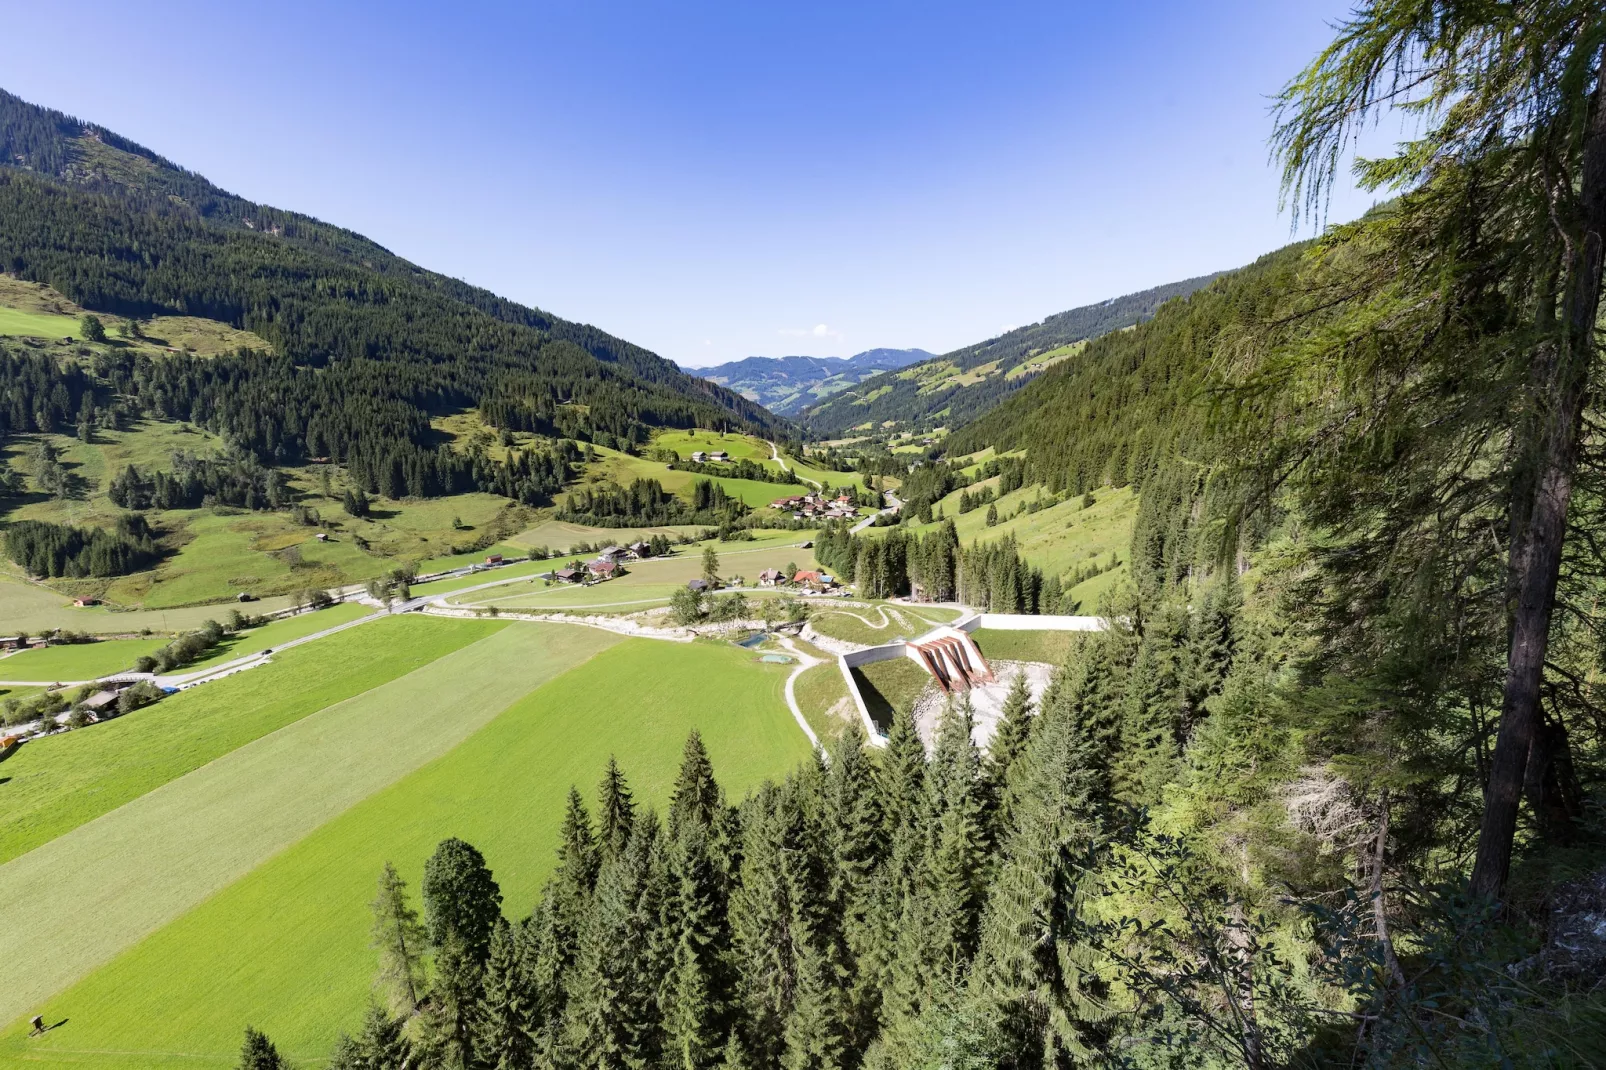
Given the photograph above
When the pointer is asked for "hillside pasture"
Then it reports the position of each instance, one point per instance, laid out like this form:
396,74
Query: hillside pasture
286,948
34,608
156,858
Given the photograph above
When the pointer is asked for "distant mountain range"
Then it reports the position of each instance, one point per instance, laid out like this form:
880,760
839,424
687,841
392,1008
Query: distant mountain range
958,387
787,385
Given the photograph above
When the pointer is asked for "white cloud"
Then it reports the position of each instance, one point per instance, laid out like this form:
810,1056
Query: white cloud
819,330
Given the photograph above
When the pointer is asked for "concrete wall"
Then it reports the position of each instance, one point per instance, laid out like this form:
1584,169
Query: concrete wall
1022,622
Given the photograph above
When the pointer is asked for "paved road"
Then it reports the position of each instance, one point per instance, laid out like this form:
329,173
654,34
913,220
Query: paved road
775,455
873,517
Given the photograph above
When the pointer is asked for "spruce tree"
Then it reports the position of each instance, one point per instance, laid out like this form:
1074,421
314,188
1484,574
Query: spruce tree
447,1024
257,1052
1031,968
615,812
400,939
957,843
612,1017
504,1023
858,844
461,898
381,1044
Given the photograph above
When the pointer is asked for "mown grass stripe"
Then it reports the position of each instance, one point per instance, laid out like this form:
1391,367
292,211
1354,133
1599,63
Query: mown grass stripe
51,786
116,879
286,948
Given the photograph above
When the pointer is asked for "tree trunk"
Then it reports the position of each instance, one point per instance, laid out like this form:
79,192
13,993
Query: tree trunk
1536,550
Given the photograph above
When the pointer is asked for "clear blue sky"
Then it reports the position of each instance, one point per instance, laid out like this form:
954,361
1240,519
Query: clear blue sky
714,180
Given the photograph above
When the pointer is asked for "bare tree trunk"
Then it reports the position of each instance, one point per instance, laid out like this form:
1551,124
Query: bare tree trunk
1380,921
1536,550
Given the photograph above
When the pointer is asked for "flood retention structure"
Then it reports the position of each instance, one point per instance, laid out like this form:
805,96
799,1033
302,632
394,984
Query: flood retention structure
946,653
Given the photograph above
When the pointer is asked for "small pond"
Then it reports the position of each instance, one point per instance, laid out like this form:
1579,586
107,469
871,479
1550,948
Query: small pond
753,640
778,659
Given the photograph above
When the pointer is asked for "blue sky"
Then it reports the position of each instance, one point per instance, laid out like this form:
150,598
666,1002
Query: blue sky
716,180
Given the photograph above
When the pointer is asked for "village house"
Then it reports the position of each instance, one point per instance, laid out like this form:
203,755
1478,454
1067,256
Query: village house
603,569
697,585
770,577
719,456
101,702
640,550
567,575
699,457
613,553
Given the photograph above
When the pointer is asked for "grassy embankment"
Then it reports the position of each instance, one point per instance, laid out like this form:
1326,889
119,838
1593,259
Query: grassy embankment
891,688
286,948
879,623
823,697
1052,648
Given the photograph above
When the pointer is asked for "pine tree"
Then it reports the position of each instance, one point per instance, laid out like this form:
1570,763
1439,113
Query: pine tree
615,812
461,897
258,1052
400,939
612,1019
447,1023
696,796
380,1045
504,1023
1003,750
957,843
1030,966
858,843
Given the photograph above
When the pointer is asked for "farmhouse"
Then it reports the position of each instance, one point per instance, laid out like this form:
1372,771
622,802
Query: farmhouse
603,569
770,577
102,701
719,456
640,550
697,585
567,575
613,553
794,502
699,457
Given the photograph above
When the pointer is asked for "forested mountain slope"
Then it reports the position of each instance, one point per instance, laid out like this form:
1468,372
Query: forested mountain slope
121,230
961,385
787,385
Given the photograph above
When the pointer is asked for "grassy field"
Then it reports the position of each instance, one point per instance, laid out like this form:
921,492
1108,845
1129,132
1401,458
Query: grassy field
79,661
214,554
53,785
276,633
1050,647
37,324
158,857
34,608
286,948
891,688
32,309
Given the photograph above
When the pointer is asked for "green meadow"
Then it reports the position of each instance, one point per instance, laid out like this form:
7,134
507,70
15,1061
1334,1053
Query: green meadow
276,633
152,860
286,947
77,661
52,785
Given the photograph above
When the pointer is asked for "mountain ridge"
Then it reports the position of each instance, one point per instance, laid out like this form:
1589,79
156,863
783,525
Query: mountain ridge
92,168
786,385
962,385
